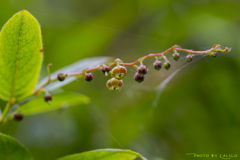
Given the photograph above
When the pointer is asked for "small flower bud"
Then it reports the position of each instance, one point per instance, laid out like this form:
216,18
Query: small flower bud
88,76
142,70
61,77
105,69
48,98
157,65
189,58
227,49
114,84
17,116
117,61
176,56
119,72
213,54
167,65
139,78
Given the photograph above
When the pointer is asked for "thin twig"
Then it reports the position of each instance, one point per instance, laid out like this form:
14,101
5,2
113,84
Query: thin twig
174,48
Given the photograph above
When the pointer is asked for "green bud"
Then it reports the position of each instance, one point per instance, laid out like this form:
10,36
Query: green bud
189,58
213,54
119,72
176,56
114,84
61,76
167,65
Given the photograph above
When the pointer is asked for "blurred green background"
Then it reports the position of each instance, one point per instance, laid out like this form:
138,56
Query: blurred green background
199,110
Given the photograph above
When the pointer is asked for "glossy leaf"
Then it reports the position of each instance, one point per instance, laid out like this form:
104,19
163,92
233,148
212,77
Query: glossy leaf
20,56
10,149
105,154
75,67
66,99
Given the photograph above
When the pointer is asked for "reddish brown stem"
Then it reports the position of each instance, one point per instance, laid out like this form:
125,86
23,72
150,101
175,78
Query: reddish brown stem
176,48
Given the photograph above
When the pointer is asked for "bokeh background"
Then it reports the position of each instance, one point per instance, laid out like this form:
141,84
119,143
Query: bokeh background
197,112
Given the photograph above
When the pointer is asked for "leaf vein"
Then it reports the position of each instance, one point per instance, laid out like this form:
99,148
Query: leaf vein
25,46
16,72
26,64
28,32
12,29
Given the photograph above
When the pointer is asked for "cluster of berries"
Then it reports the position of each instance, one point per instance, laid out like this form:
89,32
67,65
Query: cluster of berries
118,72
115,83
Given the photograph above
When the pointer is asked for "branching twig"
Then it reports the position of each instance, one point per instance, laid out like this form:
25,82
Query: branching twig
175,48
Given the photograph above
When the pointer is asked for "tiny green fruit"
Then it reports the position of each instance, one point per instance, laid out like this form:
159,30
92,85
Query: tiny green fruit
119,72
61,77
189,58
176,56
213,54
167,65
114,84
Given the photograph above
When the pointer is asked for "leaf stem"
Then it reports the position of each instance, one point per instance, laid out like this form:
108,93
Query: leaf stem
5,111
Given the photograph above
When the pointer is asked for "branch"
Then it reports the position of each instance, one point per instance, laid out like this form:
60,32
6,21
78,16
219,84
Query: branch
212,51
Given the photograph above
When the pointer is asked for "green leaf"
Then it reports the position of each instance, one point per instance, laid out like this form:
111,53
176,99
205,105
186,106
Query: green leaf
65,99
20,56
105,154
10,149
75,67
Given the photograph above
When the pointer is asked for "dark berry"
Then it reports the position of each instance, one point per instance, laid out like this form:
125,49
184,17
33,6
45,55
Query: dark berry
176,56
105,69
114,84
157,65
167,65
119,72
88,76
17,116
142,70
139,78
48,97
61,77
189,58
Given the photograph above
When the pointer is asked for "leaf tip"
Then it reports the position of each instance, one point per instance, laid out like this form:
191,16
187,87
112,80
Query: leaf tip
24,11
